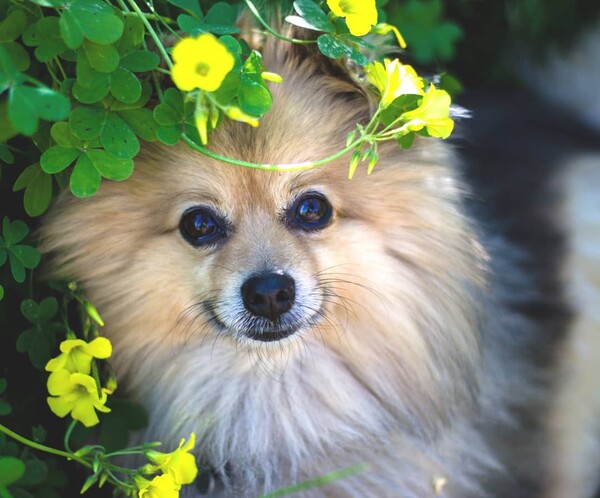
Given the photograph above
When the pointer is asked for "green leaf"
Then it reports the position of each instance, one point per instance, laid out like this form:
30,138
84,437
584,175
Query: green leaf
21,110
102,58
221,13
58,158
429,36
5,408
399,106
335,48
141,121
86,122
108,166
62,135
45,35
85,179
17,268
193,26
25,178
51,105
192,6
133,35
313,16
165,115
406,141
140,61
125,86
71,32
117,105
18,54
169,135
118,139
93,20
7,130
27,104
227,92
38,189
8,72
6,156
3,385
91,94
253,98
14,232
36,472
13,25
11,470
47,309
1,293
27,255
189,24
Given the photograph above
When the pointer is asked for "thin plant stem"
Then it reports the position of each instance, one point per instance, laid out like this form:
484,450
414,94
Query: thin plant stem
67,437
43,447
151,32
272,167
336,475
265,24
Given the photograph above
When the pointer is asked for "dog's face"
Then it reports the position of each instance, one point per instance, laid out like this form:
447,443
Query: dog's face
298,310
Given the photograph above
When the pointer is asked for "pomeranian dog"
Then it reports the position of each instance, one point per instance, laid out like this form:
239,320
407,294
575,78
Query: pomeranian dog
411,320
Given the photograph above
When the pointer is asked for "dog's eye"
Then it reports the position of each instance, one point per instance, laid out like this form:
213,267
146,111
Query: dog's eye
199,226
312,211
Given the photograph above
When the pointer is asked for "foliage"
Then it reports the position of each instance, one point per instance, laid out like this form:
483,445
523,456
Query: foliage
83,84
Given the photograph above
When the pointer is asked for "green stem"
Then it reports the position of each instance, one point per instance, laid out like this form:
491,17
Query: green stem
42,447
151,32
60,68
256,13
319,481
155,16
272,167
67,437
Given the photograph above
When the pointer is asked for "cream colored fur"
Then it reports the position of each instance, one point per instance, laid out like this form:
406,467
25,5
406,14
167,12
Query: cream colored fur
387,368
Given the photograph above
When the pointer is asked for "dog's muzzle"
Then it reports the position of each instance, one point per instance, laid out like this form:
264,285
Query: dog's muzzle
268,296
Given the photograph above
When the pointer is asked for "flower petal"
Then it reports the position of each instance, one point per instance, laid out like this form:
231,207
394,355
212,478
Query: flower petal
59,382
100,348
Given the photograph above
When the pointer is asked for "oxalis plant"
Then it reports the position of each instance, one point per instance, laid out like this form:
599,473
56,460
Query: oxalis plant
82,83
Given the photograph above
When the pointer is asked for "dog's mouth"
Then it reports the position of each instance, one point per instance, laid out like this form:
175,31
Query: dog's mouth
274,334
259,329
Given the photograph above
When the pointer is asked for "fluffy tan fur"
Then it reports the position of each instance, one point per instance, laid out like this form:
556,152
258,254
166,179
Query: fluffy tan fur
385,370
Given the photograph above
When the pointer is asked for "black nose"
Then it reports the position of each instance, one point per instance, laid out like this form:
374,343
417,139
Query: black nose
269,294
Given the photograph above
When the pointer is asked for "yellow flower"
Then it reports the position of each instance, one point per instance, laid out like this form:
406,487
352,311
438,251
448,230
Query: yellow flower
77,355
384,29
433,114
179,464
393,79
201,62
235,113
360,14
163,486
77,394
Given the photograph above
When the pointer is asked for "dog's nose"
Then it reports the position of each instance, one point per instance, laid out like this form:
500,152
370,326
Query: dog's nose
269,294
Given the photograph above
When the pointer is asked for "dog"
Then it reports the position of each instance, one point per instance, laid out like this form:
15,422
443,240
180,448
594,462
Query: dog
411,321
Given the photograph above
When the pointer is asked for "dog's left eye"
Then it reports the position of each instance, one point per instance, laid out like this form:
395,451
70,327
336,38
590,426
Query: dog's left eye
312,211
199,226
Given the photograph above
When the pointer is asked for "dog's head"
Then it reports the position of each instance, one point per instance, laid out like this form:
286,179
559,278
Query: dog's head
218,284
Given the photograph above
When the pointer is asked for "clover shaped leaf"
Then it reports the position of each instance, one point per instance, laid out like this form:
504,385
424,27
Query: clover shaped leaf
20,256
39,341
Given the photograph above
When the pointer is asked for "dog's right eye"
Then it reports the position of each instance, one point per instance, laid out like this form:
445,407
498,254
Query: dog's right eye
200,226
